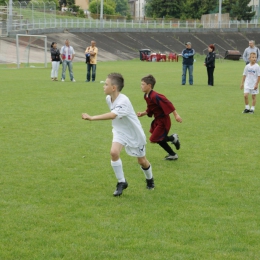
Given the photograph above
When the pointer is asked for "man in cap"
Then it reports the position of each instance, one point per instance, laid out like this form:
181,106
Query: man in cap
187,63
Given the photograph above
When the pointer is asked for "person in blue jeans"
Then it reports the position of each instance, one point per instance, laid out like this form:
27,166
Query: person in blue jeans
187,63
67,55
91,60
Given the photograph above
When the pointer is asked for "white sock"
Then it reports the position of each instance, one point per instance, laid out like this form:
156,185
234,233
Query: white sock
148,172
247,107
118,170
252,108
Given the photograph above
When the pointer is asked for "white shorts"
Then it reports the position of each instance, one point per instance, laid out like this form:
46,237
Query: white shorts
251,91
132,151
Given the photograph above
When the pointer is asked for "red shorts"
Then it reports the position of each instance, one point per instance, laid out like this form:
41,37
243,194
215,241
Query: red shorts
160,128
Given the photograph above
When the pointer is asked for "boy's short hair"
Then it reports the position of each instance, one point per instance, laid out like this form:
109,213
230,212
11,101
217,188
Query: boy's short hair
117,80
149,79
252,53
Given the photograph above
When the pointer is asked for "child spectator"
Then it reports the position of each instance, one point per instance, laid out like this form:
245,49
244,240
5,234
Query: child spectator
250,82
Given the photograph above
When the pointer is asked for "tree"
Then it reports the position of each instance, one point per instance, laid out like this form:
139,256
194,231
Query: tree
242,11
180,8
204,7
196,8
162,8
227,6
110,7
238,9
94,8
122,7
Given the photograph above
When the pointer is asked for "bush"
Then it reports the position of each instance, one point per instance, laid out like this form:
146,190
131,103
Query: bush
81,13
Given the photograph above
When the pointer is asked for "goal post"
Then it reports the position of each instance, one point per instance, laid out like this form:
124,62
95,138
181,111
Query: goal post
31,51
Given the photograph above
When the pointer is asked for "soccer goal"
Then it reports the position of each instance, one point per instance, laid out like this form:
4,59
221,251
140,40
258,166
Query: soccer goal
31,51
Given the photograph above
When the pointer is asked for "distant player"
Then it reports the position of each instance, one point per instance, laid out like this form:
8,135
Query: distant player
127,132
161,108
250,82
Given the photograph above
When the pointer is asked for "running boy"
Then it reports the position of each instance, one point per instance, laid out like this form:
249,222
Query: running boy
250,82
161,108
127,132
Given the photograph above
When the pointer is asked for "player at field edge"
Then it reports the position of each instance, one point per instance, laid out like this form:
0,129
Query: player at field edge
161,108
250,82
127,132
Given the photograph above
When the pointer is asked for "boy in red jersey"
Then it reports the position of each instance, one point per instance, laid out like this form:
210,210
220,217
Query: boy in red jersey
161,108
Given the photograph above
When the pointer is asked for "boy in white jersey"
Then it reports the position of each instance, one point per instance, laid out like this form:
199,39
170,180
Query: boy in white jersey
250,82
127,132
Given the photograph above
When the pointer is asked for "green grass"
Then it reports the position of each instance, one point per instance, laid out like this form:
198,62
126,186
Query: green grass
56,181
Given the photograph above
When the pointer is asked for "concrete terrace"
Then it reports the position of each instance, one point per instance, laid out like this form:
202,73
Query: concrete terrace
125,44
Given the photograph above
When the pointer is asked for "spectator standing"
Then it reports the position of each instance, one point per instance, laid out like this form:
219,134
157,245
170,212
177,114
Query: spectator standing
91,60
67,55
55,61
250,82
210,64
248,50
187,63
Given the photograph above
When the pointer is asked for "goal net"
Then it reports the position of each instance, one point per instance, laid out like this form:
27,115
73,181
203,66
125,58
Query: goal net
31,51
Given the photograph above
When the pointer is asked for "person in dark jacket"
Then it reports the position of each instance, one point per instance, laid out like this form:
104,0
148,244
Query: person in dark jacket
210,64
187,63
55,61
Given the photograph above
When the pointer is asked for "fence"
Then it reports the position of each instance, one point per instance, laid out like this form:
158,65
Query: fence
33,9
24,11
42,15
89,23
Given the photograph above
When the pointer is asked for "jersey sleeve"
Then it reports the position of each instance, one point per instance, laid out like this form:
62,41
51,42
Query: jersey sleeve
258,71
163,103
120,110
245,71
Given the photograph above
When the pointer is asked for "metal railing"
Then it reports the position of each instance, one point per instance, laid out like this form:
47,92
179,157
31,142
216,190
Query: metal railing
42,15
33,9
89,23
18,12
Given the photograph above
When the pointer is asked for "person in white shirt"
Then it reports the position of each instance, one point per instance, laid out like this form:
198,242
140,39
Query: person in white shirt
248,50
250,82
127,132
67,55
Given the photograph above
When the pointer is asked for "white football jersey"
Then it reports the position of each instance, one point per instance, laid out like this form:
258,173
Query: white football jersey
126,124
251,73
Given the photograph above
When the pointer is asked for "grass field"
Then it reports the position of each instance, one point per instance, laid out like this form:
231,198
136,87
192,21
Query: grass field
56,182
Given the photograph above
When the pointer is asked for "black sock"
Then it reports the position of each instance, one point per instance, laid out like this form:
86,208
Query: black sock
166,147
169,138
